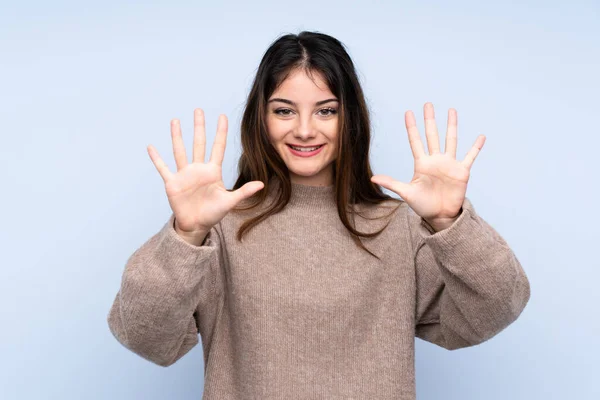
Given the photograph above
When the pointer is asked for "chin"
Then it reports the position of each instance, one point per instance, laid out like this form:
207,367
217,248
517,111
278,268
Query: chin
304,174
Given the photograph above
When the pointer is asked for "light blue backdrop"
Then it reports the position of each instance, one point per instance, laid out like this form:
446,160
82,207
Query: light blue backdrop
84,88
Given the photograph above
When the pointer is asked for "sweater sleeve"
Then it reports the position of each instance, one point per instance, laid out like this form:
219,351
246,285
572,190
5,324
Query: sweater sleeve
470,285
167,295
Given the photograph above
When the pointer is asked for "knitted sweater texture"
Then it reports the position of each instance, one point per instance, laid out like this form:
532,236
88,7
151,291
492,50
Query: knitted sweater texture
297,310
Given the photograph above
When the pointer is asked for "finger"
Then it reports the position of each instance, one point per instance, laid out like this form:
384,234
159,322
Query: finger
451,137
472,154
199,149
431,133
160,165
178,146
400,188
414,138
247,190
218,149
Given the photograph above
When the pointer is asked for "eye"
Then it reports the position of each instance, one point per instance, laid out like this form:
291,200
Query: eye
286,111
283,111
330,111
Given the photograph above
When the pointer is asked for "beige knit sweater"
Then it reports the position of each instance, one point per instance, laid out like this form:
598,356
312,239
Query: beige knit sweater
298,311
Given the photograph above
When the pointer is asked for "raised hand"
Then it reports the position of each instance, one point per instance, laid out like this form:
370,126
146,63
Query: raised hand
439,185
196,193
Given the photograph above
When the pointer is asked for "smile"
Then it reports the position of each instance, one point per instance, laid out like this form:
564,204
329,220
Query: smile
305,153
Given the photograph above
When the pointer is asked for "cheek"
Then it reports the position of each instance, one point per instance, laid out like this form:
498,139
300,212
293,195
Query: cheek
333,134
272,133
276,130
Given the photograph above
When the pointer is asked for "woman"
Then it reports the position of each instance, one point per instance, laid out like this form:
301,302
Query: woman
305,280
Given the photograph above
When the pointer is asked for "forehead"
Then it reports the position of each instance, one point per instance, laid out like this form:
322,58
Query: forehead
299,85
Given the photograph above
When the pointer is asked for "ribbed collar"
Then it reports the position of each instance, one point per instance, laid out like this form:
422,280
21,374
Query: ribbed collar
310,197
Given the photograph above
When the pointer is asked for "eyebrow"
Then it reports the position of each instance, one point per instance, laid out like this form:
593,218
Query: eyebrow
318,103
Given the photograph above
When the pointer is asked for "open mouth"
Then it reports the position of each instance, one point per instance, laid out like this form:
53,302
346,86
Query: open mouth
305,151
305,148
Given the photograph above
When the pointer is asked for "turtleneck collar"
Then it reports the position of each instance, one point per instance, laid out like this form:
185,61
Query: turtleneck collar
310,197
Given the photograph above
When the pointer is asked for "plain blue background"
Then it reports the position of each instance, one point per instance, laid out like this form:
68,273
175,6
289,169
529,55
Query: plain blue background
84,88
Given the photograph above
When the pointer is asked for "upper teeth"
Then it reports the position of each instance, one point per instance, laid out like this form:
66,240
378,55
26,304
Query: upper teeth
305,148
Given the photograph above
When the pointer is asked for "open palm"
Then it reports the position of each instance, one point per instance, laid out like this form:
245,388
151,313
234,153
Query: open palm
196,193
439,185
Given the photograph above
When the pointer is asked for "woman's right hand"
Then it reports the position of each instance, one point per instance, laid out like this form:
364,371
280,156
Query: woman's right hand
196,193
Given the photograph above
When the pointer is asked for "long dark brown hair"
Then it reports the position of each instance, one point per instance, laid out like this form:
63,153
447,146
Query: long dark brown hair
309,51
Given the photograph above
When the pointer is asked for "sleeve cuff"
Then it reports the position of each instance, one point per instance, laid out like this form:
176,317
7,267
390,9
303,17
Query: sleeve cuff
467,233
462,230
184,251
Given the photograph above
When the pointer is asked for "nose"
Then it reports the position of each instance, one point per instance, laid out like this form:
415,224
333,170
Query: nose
305,130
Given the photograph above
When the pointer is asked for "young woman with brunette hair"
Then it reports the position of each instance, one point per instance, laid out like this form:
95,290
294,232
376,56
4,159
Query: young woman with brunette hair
305,280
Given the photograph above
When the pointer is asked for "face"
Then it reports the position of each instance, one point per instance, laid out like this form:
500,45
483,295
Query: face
303,113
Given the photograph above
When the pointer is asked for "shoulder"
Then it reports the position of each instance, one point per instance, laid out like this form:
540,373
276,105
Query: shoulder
389,219
236,217
389,214
386,209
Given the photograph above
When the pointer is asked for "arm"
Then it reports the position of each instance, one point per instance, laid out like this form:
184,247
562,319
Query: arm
168,295
470,285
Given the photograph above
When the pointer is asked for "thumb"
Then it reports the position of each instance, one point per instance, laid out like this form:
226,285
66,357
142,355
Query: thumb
247,190
400,188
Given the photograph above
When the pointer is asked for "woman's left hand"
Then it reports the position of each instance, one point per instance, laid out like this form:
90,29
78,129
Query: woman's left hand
439,185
